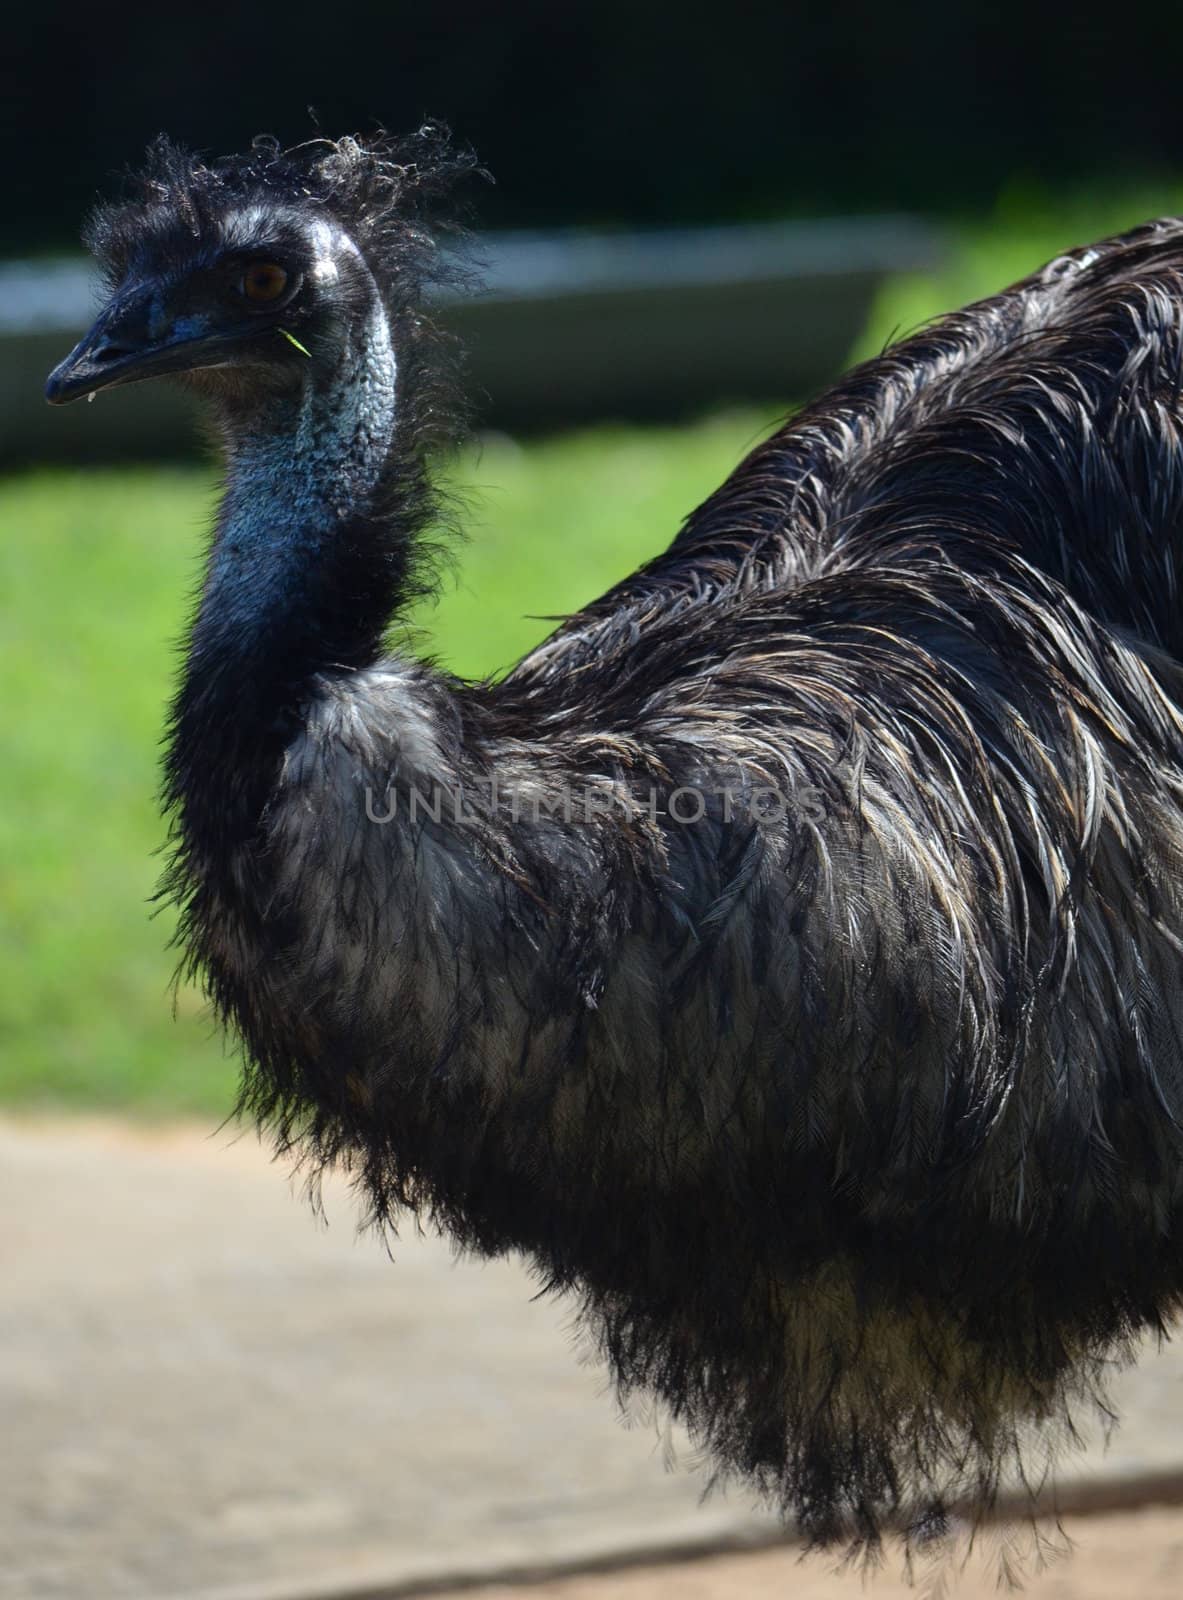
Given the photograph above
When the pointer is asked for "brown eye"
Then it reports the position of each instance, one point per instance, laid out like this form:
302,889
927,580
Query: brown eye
262,282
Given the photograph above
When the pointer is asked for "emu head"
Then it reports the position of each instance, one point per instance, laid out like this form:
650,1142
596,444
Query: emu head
251,274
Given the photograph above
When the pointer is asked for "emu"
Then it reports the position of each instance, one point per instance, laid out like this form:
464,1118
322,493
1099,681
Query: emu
786,954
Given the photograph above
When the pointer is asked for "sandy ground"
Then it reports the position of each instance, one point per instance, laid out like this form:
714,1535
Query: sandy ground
1124,1556
206,1391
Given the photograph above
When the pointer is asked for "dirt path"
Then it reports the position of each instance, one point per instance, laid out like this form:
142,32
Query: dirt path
206,1392
1127,1556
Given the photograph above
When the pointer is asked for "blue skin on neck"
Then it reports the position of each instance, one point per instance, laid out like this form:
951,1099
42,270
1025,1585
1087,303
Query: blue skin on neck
304,573
298,474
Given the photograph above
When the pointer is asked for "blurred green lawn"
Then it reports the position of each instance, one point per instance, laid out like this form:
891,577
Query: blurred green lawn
94,572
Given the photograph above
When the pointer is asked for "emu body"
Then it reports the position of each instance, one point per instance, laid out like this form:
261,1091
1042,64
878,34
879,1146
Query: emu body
786,955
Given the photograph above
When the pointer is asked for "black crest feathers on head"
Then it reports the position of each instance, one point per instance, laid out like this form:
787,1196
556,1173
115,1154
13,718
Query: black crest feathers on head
394,196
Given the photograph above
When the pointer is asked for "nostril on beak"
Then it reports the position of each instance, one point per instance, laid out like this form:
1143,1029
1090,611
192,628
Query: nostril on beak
111,351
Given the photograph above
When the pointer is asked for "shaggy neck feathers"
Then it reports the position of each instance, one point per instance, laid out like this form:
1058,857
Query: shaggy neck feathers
307,564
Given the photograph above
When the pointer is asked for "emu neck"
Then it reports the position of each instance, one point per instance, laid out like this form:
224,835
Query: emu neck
301,466
304,473
305,569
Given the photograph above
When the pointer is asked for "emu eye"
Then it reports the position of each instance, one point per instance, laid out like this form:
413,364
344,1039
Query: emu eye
263,282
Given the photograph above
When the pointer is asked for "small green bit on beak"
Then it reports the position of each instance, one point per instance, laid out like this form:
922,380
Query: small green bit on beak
291,339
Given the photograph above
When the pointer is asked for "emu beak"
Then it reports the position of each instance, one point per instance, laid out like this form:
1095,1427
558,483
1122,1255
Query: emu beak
131,341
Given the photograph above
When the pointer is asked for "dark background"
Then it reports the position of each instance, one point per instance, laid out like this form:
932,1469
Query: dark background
612,112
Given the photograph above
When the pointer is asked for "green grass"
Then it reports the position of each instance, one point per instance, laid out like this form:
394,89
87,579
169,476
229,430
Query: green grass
1028,227
95,568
